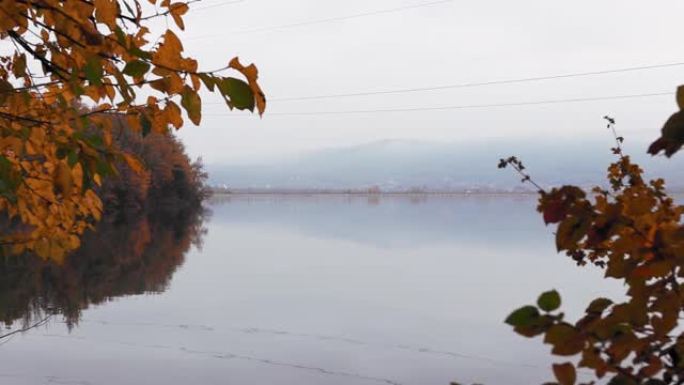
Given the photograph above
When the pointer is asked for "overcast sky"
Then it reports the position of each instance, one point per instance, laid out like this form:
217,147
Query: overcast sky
447,42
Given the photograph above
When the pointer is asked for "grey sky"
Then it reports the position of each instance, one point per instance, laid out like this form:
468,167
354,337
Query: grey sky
452,42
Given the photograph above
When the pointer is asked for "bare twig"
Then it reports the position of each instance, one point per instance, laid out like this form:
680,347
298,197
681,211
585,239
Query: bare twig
23,330
520,169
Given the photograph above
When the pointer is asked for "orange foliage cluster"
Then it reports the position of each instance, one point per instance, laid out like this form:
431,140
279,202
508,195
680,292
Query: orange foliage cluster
633,231
151,219
54,154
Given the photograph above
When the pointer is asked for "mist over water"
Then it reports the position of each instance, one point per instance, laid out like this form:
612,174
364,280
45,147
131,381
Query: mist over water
411,165
325,290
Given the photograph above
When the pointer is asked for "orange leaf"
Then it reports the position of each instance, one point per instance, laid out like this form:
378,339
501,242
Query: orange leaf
133,162
173,114
565,373
106,11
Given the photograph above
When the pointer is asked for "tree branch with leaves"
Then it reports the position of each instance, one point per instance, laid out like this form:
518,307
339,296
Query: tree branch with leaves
632,230
75,68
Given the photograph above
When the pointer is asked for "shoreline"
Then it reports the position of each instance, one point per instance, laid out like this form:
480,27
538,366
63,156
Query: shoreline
372,194
366,194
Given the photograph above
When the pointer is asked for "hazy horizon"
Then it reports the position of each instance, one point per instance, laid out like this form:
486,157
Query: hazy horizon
422,165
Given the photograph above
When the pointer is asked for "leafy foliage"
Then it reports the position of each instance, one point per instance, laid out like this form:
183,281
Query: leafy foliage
77,68
150,221
633,231
169,181
672,133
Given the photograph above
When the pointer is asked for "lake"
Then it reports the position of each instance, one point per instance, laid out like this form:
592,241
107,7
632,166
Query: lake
402,290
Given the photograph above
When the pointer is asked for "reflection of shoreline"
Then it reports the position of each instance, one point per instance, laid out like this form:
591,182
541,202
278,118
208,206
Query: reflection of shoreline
374,198
131,257
389,221
218,198
223,196
522,190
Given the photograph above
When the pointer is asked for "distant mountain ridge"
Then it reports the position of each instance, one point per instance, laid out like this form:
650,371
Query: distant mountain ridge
403,165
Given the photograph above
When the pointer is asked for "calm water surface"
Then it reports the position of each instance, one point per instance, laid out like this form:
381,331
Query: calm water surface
309,290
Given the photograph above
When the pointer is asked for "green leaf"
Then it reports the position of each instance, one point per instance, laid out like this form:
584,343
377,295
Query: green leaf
621,380
536,327
137,52
93,70
5,165
93,140
120,35
126,91
103,168
239,92
146,125
72,158
525,316
549,301
6,90
672,135
192,104
86,181
136,68
208,80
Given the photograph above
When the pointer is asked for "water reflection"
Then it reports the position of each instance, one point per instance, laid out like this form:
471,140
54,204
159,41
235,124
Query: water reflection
334,290
122,257
393,221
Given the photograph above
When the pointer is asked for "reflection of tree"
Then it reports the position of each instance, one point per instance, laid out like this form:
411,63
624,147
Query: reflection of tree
118,259
152,218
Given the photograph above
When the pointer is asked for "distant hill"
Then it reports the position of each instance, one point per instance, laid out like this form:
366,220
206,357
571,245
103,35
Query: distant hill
402,165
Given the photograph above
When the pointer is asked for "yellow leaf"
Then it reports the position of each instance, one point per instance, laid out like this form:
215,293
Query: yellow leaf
106,11
74,242
63,179
177,10
169,50
173,114
42,248
133,162
12,143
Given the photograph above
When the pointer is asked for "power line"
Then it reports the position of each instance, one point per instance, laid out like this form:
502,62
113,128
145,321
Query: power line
221,4
462,107
477,84
330,19
481,84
